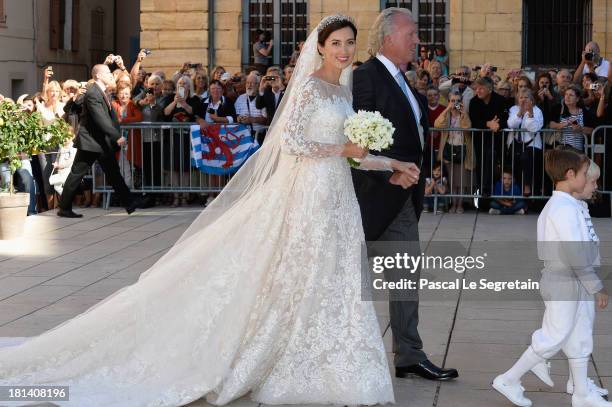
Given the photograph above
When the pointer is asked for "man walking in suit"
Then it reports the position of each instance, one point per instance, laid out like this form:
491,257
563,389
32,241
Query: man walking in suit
389,212
98,139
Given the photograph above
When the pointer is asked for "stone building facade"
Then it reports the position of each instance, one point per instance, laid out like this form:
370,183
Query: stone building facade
215,32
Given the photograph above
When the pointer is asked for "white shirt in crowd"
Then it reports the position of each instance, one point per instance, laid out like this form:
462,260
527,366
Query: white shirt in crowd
601,70
215,107
562,225
246,107
531,127
393,70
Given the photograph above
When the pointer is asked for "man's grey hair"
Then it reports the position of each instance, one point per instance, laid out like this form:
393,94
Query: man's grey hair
384,25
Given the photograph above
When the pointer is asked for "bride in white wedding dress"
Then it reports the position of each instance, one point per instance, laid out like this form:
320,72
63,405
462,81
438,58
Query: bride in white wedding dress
261,295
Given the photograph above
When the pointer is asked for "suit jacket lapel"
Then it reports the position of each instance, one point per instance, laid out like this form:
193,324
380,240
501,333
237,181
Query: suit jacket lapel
392,83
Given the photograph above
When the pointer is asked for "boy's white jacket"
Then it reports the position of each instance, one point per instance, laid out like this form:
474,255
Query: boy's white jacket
567,242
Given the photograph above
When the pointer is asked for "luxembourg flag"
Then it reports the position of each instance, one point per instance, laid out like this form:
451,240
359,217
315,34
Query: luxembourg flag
222,149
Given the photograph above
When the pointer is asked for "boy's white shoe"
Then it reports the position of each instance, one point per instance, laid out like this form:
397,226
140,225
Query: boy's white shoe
512,391
592,399
542,370
494,211
592,387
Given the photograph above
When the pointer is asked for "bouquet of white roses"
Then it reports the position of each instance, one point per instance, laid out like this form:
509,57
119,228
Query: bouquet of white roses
368,130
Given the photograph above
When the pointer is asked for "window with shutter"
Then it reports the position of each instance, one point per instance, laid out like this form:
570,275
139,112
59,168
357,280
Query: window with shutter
2,15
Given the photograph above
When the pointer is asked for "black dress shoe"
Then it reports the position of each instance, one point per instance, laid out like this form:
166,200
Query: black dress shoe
136,203
68,214
427,370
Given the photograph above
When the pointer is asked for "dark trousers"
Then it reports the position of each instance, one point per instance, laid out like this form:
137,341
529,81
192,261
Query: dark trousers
404,315
24,182
81,165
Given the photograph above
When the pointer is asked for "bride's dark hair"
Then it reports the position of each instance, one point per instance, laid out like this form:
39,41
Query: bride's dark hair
335,26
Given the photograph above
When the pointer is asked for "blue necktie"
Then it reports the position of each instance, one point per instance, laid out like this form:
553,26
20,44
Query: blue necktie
399,77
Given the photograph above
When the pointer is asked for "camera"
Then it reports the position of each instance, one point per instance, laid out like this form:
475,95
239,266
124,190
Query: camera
458,106
594,86
181,91
149,91
147,51
493,69
461,79
269,78
193,66
588,56
236,79
210,110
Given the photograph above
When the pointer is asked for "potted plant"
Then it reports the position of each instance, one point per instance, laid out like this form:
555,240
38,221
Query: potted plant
21,132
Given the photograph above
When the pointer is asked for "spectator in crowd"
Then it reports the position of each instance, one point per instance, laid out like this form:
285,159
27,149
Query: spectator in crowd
456,148
50,109
218,109
70,89
574,122
496,80
442,57
246,107
504,89
296,53
239,81
151,142
488,110
590,83
168,89
525,146
510,205
73,105
604,109
262,51
424,57
432,143
592,61
271,91
411,76
229,90
127,112
200,84
186,107
288,71
423,82
522,83
545,96
461,81
553,74
487,70
435,70
63,164
216,73
563,80
155,85
27,103
436,187
138,74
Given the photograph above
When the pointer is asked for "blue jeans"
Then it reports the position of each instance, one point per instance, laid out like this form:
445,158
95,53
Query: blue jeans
23,181
509,210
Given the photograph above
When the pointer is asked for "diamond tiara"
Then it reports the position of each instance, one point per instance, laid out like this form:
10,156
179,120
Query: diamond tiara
333,19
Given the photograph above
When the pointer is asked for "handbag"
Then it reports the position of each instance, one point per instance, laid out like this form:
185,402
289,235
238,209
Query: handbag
454,154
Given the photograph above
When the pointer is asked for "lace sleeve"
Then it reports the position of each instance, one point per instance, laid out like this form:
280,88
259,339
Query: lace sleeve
375,162
293,138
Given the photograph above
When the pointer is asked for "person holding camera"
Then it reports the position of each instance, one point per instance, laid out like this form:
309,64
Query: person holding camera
574,122
592,61
590,97
461,82
262,51
271,91
456,148
246,108
218,109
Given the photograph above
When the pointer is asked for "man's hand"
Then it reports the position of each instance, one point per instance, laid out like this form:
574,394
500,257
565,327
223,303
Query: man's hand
494,124
121,141
109,59
141,55
405,174
203,124
602,299
119,62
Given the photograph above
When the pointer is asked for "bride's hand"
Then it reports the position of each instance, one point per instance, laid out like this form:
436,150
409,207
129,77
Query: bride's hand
352,150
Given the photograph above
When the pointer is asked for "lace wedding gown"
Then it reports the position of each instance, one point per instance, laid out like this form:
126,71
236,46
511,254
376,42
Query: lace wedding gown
266,299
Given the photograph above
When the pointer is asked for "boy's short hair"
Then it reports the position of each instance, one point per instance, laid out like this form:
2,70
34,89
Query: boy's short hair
436,164
507,170
559,161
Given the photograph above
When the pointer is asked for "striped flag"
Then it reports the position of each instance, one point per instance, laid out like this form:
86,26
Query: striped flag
222,149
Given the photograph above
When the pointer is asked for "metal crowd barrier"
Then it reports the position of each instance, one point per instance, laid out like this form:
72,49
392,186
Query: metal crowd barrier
156,159
492,154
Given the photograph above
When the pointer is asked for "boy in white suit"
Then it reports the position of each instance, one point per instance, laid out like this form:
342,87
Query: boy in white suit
567,244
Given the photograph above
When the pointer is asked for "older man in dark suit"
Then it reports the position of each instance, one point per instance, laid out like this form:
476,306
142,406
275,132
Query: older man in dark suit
98,139
390,212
